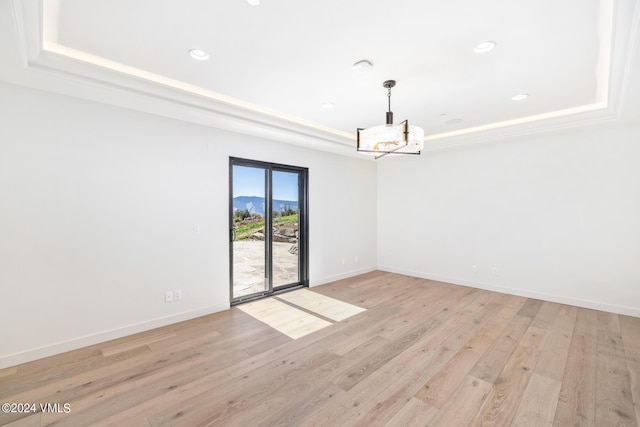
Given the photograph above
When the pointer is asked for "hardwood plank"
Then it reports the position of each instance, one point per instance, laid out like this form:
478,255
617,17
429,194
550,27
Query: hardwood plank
266,342
513,300
531,308
460,410
131,345
373,362
88,382
29,421
362,370
440,387
476,357
414,413
413,309
546,315
219,404
538,405
501,404
380,292
577,399
348,343
493,361
614,403
278,410
607,321
136,415
566,318
12,370
554,354
90,408
416,310
45,371
630,328
633,365
586,322
555,351
404,375
200,338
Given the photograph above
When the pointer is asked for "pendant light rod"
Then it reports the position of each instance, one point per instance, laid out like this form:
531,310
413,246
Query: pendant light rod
389,84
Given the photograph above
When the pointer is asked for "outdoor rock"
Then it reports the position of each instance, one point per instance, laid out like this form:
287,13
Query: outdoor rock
289,232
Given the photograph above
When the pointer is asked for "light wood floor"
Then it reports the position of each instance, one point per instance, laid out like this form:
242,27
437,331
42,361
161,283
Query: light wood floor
423,353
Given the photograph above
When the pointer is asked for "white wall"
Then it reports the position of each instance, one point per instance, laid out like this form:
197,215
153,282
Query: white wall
97,207
98,203
558,216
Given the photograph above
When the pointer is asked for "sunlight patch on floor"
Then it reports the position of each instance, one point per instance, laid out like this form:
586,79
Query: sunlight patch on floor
323,305
295,322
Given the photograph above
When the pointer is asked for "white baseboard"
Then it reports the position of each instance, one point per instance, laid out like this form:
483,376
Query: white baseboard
596,305
100,337
87,340
329,279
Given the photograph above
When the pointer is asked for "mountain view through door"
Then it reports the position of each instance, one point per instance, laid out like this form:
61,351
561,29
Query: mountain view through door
265,228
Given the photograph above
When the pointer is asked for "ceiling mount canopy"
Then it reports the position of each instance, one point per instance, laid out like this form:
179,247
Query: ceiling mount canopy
389,138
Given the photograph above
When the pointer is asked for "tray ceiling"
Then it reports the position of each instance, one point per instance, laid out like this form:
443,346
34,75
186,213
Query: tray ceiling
276,64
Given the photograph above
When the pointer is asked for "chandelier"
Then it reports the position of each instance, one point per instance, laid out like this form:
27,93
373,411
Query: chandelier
389,138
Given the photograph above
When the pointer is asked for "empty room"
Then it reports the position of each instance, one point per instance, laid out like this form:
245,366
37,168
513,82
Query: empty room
280,212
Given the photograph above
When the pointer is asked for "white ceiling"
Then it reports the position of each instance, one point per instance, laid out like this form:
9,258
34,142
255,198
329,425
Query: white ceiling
274,65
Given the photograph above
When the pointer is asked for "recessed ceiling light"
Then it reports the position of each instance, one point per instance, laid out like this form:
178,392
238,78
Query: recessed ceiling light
443,115
254,2
520,97
362,66
328,105
199,54
485,47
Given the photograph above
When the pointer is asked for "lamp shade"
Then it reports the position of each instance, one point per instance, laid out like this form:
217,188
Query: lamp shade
390,138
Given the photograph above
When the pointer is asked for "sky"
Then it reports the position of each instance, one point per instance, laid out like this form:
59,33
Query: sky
249,181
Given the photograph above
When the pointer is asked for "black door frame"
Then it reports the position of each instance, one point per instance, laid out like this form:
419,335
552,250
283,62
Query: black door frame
303,227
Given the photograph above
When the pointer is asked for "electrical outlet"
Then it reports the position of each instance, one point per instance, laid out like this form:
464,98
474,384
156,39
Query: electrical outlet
474,268
168,296
177,294
196,228
494,270
356,258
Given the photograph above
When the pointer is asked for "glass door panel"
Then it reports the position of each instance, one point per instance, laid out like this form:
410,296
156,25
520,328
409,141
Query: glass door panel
285,229
249,240
268,228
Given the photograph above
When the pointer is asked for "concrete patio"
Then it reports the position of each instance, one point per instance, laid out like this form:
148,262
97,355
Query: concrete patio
249,266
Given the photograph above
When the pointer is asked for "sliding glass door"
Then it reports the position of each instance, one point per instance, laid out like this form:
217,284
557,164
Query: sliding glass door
268,228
